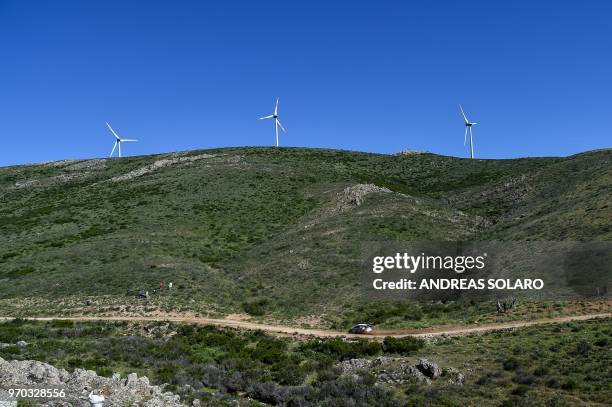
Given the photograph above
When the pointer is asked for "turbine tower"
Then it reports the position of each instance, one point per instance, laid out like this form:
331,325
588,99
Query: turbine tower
468,125
118,141
277,122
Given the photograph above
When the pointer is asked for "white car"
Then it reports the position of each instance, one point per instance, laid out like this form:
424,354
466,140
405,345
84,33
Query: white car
361,329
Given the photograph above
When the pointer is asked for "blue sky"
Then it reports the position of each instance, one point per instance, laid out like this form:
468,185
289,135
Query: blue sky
371,76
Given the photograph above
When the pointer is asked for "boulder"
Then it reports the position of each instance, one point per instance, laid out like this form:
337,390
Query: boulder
415,373
429,369
455,377
133,390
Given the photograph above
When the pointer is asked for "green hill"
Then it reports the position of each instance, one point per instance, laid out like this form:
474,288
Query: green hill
273,231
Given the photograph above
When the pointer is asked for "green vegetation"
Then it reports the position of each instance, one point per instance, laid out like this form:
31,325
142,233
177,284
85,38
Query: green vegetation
402,346
259,230
563,364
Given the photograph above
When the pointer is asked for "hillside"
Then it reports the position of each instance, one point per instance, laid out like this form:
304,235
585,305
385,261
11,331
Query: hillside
269,231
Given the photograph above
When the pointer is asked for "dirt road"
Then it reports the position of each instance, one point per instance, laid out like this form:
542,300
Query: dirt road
291,331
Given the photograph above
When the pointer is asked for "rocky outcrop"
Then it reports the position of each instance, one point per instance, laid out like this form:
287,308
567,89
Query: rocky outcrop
360,364
399,370
159,164
429,369
412,152
455,377
402,373
19,344
118,391
353,196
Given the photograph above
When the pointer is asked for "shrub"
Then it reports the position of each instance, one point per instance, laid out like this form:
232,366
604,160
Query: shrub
344,350
288,373
553,383
269,351
328,375
212,376
167,372
268,392
62,323
511,364
403,346
256,307
583,348
520,390
521,377
602,342
540,371
569,384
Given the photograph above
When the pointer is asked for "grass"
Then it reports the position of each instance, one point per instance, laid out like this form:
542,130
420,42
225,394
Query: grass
557,364
253,230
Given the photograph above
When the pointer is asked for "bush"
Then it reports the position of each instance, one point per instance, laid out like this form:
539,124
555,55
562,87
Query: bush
255,308
269,351
540,371
62,323
583,348
602,342
520,390
553,383
511,364
403,346
344,350
569,384
268,392
288,374
521,377
166,372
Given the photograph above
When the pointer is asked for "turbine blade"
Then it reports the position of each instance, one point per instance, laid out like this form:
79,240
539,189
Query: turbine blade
119,142
281,126
266,117
276,108
127,139
113,150
463,114
465,135
113,131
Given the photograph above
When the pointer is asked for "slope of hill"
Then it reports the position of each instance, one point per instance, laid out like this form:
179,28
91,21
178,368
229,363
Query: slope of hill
267,230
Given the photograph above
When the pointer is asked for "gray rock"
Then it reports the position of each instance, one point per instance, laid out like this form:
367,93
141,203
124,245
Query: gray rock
22,344
382,361
131,379
429,369
354,364
455,377
415,373
78,384
353,196
412,152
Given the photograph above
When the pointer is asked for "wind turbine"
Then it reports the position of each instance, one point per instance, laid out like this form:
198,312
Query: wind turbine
277,122
118,141
468,125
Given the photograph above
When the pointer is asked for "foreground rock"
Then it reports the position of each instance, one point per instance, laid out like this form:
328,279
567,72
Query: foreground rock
429,369
130,390
399,370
